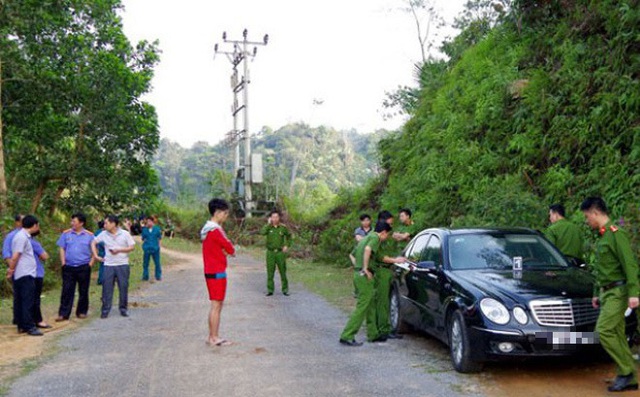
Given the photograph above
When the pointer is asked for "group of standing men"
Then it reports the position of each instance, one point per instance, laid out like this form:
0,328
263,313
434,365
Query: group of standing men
372,258
79,249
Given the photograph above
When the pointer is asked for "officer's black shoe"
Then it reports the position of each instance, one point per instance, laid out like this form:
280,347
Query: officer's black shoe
350,342
623,383
382,338
34,332
104,315
269,293
124,313
394,335
285,293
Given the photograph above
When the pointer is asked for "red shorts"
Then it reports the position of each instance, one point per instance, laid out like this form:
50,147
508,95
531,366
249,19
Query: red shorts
217,288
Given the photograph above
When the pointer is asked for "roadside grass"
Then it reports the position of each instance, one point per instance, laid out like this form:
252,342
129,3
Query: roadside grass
334,283
182,245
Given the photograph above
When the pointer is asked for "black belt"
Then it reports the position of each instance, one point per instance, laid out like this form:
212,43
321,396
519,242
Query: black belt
612,285
215,275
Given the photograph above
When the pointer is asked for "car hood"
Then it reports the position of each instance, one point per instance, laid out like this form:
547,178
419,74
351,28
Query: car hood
530,284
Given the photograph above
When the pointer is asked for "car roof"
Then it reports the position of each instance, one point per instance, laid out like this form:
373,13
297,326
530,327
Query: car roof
479,230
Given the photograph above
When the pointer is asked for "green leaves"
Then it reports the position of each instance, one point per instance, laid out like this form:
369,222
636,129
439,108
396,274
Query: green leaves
76,127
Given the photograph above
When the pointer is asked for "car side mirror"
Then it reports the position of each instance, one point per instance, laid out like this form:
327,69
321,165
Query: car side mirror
575,262
425,265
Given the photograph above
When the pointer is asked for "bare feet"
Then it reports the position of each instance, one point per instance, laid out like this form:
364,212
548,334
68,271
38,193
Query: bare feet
218,342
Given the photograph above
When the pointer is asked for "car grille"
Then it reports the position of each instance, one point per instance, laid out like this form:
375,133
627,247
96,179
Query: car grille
563,313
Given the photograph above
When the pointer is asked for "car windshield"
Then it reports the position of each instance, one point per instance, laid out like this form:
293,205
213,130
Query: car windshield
501,251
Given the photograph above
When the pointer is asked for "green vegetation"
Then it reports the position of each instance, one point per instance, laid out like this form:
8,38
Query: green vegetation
542,108
74,132
182,245
303,168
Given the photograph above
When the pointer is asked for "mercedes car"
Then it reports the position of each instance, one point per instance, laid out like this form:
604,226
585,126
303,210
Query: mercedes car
491,294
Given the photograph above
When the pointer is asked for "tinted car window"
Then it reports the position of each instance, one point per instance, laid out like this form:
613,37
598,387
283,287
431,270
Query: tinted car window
432,251
497,251
416,250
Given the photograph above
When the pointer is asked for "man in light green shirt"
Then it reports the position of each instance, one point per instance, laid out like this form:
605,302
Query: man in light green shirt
564,234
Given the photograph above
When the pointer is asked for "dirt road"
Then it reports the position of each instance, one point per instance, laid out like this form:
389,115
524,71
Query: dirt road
285,346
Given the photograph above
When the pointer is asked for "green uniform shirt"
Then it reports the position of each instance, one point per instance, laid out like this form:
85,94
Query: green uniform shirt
614,259
277,236
567,236
412,229
371,240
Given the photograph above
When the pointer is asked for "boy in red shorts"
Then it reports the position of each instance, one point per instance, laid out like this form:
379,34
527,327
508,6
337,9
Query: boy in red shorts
215,248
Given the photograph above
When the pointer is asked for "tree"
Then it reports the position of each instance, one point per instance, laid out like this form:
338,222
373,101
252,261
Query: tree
77,126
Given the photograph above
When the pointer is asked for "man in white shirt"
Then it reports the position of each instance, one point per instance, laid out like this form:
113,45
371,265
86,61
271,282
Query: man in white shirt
118,243
22,267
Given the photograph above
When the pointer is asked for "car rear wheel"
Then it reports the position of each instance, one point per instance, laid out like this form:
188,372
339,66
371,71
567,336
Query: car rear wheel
460,347
394,313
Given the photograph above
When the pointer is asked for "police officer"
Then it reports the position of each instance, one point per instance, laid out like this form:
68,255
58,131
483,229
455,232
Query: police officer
406,230
278,240
564,234
363,277
76,258
616,273
384,279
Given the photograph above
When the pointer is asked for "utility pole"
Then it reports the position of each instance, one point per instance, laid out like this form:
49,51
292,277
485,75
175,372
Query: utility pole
239,54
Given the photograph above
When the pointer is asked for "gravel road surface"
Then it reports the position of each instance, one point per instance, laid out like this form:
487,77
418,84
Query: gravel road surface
284,346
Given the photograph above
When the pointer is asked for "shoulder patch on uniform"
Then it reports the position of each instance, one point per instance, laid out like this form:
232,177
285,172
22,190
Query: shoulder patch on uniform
67,230
613,228
87,231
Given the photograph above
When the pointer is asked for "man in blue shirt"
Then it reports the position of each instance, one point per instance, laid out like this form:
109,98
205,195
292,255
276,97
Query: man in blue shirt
76,258
22,269
151,236
7,253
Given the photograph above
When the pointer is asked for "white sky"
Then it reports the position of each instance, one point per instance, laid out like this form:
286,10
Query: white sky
346,52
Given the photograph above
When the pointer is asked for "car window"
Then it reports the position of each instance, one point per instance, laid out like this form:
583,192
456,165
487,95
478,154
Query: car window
416,250
497,251
432,251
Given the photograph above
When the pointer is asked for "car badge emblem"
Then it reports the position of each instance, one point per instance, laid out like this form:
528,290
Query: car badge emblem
563,293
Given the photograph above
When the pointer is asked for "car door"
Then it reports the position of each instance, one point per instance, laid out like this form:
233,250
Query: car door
419,280
433,284
414,254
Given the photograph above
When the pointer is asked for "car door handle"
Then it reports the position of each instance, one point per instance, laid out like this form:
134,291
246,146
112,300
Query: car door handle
433,276
414,278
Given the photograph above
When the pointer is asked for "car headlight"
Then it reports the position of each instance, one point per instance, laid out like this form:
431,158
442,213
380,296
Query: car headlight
494,311
520,315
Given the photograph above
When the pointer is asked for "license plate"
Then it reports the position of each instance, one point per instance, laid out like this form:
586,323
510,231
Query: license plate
567,338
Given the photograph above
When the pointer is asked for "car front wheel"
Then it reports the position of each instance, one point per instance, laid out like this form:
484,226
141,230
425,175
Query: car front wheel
460,347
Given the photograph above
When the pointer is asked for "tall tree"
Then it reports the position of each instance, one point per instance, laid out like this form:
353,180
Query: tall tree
77,124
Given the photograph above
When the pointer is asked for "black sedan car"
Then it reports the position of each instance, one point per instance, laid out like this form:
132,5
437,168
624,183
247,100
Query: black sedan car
494,293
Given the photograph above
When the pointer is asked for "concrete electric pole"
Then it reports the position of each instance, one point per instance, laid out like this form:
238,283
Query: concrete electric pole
240,54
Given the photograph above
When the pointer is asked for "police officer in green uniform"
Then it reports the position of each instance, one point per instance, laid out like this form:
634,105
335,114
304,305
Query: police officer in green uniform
406,230
616,274
363,277
384,278
564,234
278,240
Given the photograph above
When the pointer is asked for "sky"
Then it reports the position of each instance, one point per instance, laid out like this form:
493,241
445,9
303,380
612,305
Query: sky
346,53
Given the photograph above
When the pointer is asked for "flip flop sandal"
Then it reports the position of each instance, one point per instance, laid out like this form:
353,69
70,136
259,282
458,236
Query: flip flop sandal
223,342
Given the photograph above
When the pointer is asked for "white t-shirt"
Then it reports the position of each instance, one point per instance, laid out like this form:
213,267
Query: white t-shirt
26,265
121,239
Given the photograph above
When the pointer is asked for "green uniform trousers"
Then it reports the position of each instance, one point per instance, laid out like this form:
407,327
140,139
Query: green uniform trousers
365,309
611,329
384,278
277,258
